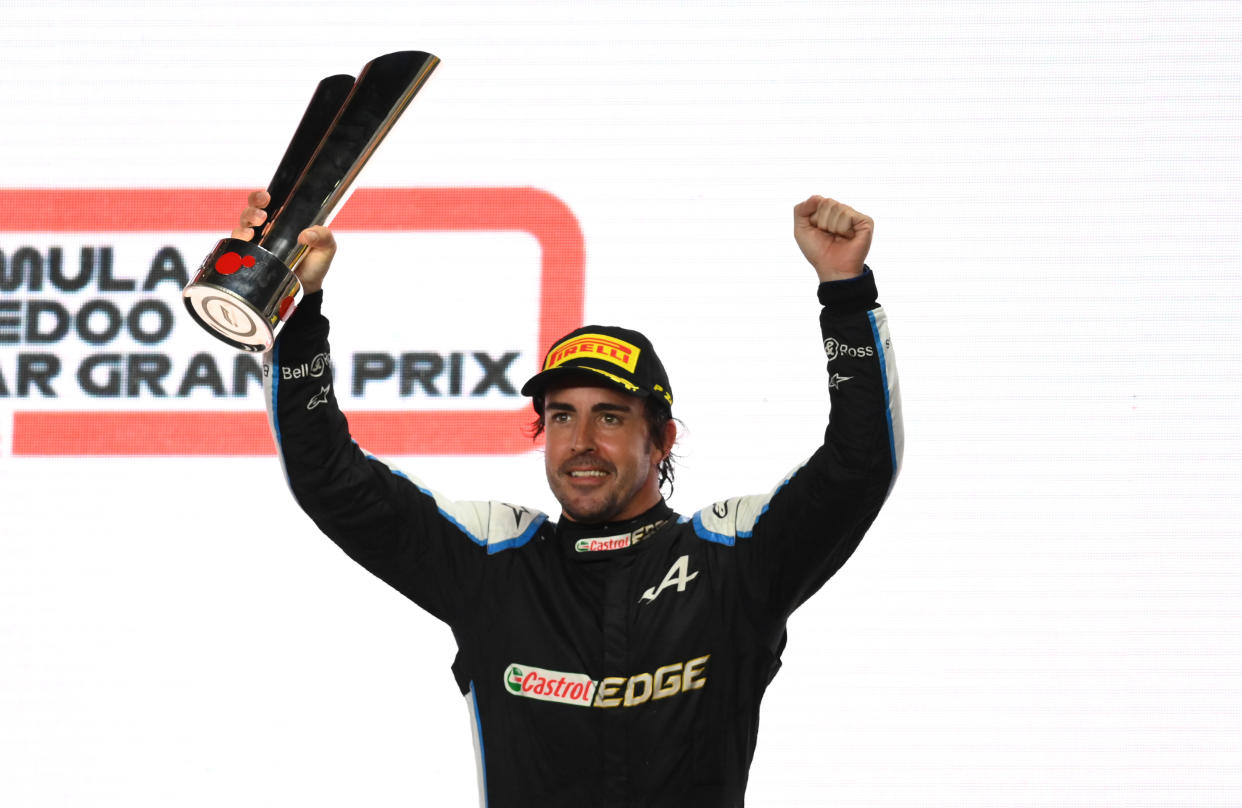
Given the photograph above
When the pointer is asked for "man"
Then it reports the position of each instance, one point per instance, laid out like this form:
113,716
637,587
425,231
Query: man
616,657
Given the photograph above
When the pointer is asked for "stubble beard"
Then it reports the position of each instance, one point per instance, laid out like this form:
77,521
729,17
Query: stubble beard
592,509
604,513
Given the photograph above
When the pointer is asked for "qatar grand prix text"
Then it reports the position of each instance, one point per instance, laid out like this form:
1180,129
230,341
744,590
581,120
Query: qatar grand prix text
83,325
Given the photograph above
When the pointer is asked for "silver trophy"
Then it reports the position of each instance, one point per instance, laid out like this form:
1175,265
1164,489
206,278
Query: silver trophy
245,290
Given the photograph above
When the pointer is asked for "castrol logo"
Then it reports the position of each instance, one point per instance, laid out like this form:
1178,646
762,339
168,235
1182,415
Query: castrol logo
546,685
581,690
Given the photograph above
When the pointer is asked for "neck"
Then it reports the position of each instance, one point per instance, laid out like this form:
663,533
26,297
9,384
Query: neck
657,511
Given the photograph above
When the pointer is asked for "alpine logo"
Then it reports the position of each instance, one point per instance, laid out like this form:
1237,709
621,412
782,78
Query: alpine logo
678,575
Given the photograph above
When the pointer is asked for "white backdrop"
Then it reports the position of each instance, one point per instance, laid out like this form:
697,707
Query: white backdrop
1046,613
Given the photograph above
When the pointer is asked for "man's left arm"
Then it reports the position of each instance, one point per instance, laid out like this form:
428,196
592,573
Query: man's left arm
798,535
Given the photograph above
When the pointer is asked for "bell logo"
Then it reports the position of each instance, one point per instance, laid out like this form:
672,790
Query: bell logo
679,574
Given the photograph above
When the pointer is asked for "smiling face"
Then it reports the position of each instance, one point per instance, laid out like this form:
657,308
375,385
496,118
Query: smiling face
600,459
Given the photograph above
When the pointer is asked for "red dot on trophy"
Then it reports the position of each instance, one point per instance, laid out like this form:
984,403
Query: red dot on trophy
244,291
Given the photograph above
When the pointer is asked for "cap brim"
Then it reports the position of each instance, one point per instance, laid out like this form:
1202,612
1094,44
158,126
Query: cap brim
580,374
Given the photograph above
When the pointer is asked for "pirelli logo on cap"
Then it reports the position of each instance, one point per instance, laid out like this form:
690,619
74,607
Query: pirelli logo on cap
596,346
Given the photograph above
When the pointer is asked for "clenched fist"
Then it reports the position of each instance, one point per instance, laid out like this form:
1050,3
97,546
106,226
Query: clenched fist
833,236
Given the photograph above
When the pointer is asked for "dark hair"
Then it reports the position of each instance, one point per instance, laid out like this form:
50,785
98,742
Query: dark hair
657,415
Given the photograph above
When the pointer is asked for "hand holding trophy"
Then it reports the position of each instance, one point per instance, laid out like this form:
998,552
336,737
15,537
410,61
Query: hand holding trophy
245,290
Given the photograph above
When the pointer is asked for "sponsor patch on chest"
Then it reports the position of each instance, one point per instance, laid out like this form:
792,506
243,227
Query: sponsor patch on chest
619,541
581,690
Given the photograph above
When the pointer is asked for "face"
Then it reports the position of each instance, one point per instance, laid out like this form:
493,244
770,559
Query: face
600,461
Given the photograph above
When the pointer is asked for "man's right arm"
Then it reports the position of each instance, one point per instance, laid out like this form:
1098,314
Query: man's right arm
366,508
429,548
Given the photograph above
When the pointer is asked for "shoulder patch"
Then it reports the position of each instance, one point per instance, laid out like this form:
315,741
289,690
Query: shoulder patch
494,525
728,520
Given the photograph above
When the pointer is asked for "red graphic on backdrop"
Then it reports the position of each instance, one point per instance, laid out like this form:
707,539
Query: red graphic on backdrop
230,262
390,432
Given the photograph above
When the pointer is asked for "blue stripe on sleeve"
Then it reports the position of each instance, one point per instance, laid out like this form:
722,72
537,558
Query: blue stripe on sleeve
478,729
275,385
702,532
492,547
888,404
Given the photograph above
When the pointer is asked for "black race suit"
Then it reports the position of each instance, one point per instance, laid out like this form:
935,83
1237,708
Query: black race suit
619,664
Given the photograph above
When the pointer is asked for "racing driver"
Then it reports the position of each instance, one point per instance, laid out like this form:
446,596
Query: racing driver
618,655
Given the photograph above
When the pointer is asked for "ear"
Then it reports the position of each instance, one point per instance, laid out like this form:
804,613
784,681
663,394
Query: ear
668,438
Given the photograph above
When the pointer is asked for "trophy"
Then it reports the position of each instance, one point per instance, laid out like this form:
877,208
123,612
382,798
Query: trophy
245,290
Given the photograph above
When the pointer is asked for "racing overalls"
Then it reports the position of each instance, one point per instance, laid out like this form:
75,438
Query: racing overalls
615,664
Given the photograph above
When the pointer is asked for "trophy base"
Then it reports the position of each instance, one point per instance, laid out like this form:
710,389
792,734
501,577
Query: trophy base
242,295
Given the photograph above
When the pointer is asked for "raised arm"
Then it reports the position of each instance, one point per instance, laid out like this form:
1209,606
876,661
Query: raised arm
429,548
800,533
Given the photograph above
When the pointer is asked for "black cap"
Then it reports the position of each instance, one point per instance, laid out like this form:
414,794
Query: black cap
614,356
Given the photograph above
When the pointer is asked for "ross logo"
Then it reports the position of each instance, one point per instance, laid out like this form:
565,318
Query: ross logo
619,352
581,690
837,349
679,574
